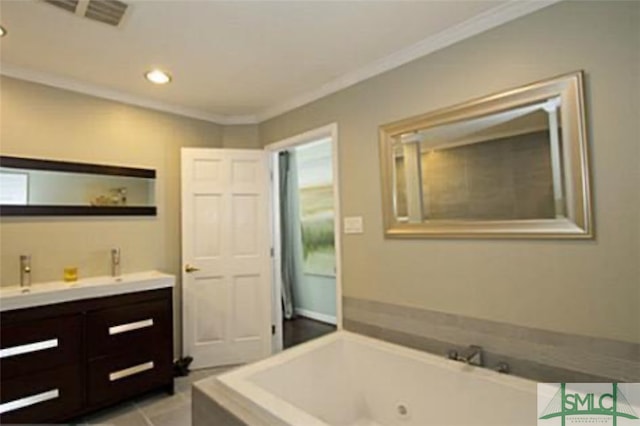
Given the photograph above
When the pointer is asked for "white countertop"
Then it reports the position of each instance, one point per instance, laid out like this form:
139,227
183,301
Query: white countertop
12,297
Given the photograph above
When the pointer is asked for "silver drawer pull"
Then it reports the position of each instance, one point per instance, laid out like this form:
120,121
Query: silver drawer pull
123,328
30,347
29,400
121,374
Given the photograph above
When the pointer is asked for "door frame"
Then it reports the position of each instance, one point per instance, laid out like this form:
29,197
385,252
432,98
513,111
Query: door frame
330,130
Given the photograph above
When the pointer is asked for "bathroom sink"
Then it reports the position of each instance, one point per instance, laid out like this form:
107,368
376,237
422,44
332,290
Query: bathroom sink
15,297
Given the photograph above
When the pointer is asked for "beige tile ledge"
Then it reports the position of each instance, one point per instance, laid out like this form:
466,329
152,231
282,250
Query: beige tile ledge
587,355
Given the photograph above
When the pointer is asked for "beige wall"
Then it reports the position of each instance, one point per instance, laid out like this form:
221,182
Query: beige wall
585,287
43,122
241,136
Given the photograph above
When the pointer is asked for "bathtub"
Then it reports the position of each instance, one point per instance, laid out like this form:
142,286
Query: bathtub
346,379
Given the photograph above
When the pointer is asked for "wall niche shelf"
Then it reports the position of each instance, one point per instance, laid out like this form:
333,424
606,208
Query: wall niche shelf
38,187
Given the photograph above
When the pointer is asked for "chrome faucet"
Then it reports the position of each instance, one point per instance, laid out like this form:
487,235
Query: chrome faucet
25,272
471,355
502,367
115,262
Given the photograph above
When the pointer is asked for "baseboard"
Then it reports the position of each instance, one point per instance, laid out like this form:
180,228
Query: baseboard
329,319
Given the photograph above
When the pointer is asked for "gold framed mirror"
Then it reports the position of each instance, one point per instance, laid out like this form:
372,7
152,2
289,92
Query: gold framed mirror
509,165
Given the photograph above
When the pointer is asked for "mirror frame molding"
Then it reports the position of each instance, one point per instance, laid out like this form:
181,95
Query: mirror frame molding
73,167
577,225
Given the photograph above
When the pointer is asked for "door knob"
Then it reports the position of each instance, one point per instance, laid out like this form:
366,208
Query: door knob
189,269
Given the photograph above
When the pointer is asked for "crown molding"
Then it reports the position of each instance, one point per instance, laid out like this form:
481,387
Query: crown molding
485,21
53,80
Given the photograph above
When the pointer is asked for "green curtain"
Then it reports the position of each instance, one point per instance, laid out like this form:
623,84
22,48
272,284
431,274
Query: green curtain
290,230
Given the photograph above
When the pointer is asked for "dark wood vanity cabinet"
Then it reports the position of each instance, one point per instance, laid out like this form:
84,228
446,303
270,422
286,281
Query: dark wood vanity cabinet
64,360
40,369
129,349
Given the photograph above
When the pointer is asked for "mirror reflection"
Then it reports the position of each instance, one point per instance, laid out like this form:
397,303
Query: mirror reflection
512,164
502,166
40,187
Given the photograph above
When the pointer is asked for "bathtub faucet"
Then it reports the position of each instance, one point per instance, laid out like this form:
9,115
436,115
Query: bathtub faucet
472,355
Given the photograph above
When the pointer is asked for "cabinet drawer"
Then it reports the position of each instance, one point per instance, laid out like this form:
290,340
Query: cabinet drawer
117,377
31,346
129,328
40,397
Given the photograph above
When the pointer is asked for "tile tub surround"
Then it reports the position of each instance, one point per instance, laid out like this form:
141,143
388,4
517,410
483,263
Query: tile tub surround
205,410
541,355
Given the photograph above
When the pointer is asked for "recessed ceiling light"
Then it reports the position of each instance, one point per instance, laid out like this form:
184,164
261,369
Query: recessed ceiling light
3,32
158,76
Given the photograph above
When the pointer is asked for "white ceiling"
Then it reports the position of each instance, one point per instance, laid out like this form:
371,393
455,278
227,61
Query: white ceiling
235,61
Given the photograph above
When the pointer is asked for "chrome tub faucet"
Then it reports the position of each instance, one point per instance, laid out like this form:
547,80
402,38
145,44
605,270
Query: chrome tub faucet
472,355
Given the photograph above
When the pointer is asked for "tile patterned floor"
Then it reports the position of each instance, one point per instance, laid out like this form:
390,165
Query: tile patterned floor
157,409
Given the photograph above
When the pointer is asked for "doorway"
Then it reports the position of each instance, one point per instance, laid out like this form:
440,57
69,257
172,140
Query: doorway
306,295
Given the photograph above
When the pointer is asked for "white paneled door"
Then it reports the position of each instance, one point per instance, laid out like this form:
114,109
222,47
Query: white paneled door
225,256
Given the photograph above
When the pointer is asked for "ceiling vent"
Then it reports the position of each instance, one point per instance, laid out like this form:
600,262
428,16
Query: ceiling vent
69,5
107,11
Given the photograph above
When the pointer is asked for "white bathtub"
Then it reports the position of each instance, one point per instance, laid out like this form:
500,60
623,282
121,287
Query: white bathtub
350,380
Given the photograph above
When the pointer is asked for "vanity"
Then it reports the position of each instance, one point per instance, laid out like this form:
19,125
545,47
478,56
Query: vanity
67,350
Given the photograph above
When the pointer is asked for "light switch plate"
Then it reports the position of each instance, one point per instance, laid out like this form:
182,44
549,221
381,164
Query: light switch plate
353,225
